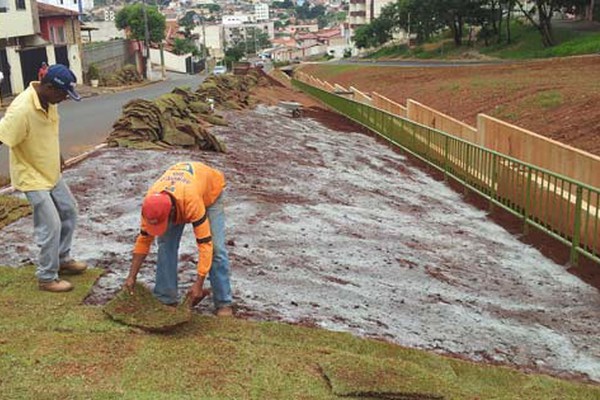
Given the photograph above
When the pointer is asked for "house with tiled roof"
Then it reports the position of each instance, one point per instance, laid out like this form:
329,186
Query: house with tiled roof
32,33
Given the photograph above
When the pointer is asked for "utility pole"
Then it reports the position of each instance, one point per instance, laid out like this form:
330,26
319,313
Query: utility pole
245,41
204,52
146,42
409,30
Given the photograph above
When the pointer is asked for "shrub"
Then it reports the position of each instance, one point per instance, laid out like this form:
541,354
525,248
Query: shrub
93,72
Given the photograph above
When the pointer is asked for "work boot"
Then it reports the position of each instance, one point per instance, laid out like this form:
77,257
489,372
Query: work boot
72,267
56,285
226,311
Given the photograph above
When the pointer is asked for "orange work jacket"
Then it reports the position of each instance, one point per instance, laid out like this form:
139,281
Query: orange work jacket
194,187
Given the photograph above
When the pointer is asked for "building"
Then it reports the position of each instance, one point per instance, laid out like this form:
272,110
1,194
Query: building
362,12
19,25
211,35
261,12
295,29
73,5
235,19
32,33
232,33
306,44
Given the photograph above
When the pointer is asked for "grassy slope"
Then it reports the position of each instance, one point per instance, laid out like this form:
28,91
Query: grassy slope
526,44
53,347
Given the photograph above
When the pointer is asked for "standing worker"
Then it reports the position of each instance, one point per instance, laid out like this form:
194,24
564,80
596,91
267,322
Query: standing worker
42,71
188,192
30,129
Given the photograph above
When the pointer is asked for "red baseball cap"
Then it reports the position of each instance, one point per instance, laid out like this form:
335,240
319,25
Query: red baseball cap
155,213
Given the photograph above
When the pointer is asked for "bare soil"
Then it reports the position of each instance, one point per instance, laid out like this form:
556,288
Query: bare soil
557,98
329,227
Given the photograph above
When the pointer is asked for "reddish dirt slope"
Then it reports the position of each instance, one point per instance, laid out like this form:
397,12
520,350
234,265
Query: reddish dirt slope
558,98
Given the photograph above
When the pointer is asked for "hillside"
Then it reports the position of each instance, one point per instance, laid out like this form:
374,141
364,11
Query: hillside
557,98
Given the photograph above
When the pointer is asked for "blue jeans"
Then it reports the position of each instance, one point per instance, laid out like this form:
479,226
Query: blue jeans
165,288
54,220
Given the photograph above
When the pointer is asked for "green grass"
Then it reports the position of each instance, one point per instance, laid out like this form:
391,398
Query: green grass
390,52
332,70
52,347
525,43
11,209
549,99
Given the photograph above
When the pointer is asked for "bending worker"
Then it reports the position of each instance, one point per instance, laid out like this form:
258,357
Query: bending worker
188,192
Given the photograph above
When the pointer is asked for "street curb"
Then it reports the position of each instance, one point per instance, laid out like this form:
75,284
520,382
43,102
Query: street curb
94,92
69,163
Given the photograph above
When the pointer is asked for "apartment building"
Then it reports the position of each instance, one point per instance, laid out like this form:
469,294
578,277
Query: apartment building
261,12
362,12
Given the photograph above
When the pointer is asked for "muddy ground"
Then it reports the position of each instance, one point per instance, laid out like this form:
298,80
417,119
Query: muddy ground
331,228
557,98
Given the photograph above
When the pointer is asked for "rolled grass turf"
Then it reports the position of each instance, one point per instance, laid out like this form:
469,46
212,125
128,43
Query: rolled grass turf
142,310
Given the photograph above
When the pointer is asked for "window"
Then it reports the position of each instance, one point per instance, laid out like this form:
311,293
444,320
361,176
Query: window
60,35
4,6
20,4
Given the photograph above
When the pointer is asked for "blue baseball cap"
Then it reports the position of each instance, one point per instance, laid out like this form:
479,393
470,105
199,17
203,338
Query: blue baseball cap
62,78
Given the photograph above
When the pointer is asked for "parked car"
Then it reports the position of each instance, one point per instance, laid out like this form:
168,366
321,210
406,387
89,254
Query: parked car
219,70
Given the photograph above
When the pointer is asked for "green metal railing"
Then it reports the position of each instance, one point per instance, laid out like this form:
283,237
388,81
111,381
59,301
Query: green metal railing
565,209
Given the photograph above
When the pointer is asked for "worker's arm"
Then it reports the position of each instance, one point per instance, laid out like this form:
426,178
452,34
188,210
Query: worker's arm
14,128
199,218
203,241
136,264
140,251
196,293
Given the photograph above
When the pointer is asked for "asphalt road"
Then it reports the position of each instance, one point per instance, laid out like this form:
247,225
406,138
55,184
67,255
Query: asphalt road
87,123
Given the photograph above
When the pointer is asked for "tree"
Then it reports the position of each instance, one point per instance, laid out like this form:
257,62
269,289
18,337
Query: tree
188,22
184,46
422,15
212,8
289,4
376,33
540,15
131,18
234,54
509,6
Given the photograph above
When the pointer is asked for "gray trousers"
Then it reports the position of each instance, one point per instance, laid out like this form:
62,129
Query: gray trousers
54,220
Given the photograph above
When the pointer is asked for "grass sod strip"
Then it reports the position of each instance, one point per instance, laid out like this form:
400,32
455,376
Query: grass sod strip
11,209
354,376
142,310
53,347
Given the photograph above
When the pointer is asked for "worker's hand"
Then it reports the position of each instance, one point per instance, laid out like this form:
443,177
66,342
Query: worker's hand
129,284
196,294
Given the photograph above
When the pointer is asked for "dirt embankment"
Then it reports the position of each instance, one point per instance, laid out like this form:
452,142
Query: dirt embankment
556,98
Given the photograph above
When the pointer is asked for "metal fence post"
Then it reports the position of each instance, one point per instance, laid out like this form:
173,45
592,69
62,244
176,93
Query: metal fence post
577,227
527,202
446,145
